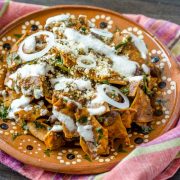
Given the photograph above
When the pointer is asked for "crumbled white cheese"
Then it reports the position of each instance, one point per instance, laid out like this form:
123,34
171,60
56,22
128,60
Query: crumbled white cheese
70,100
38,93
43,112
135,78
121,64
62,83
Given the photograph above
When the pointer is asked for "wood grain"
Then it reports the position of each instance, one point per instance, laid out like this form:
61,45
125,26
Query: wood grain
161,9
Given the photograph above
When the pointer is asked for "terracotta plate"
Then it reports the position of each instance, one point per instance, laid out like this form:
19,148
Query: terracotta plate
30,150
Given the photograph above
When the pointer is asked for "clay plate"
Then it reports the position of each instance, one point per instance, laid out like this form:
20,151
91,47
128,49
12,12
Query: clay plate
30,150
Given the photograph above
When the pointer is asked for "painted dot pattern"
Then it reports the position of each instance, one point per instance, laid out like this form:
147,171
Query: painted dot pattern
105,21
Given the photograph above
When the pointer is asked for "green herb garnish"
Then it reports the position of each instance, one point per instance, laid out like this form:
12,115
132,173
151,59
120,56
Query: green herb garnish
125,90
24,125
59,60
65,100
105,82
3,112
100,119
39,125
83,120
83,29
15,135
18,35
145,86
122,43
87,158
100,132
47,152
59,63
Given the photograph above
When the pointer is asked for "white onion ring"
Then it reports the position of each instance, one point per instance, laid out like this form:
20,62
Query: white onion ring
109,100
30,57
88,58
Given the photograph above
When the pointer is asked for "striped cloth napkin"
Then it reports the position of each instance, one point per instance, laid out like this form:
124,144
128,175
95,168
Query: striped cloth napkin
157,159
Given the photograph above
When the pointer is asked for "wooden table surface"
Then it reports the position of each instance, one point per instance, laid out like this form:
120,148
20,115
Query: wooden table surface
160,9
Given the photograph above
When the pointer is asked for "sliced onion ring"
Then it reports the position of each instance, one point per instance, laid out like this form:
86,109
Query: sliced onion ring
30,57
101,91
86,58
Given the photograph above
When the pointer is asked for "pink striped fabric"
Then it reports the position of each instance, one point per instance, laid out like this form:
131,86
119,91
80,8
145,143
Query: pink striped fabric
154,160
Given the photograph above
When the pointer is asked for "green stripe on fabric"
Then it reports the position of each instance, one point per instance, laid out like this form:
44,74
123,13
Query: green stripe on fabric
145,150
154,148
4,8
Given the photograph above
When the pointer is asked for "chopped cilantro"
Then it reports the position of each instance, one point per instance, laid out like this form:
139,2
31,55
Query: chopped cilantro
59,60
64,68
59,63
100,132
100,119
39,125
83,120
83,29
18,35
3,112
24,125
125,90
122,43
105,82
71,24
145,86
65,100
47,152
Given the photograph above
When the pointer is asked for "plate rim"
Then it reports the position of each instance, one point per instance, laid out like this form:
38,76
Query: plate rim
24,158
